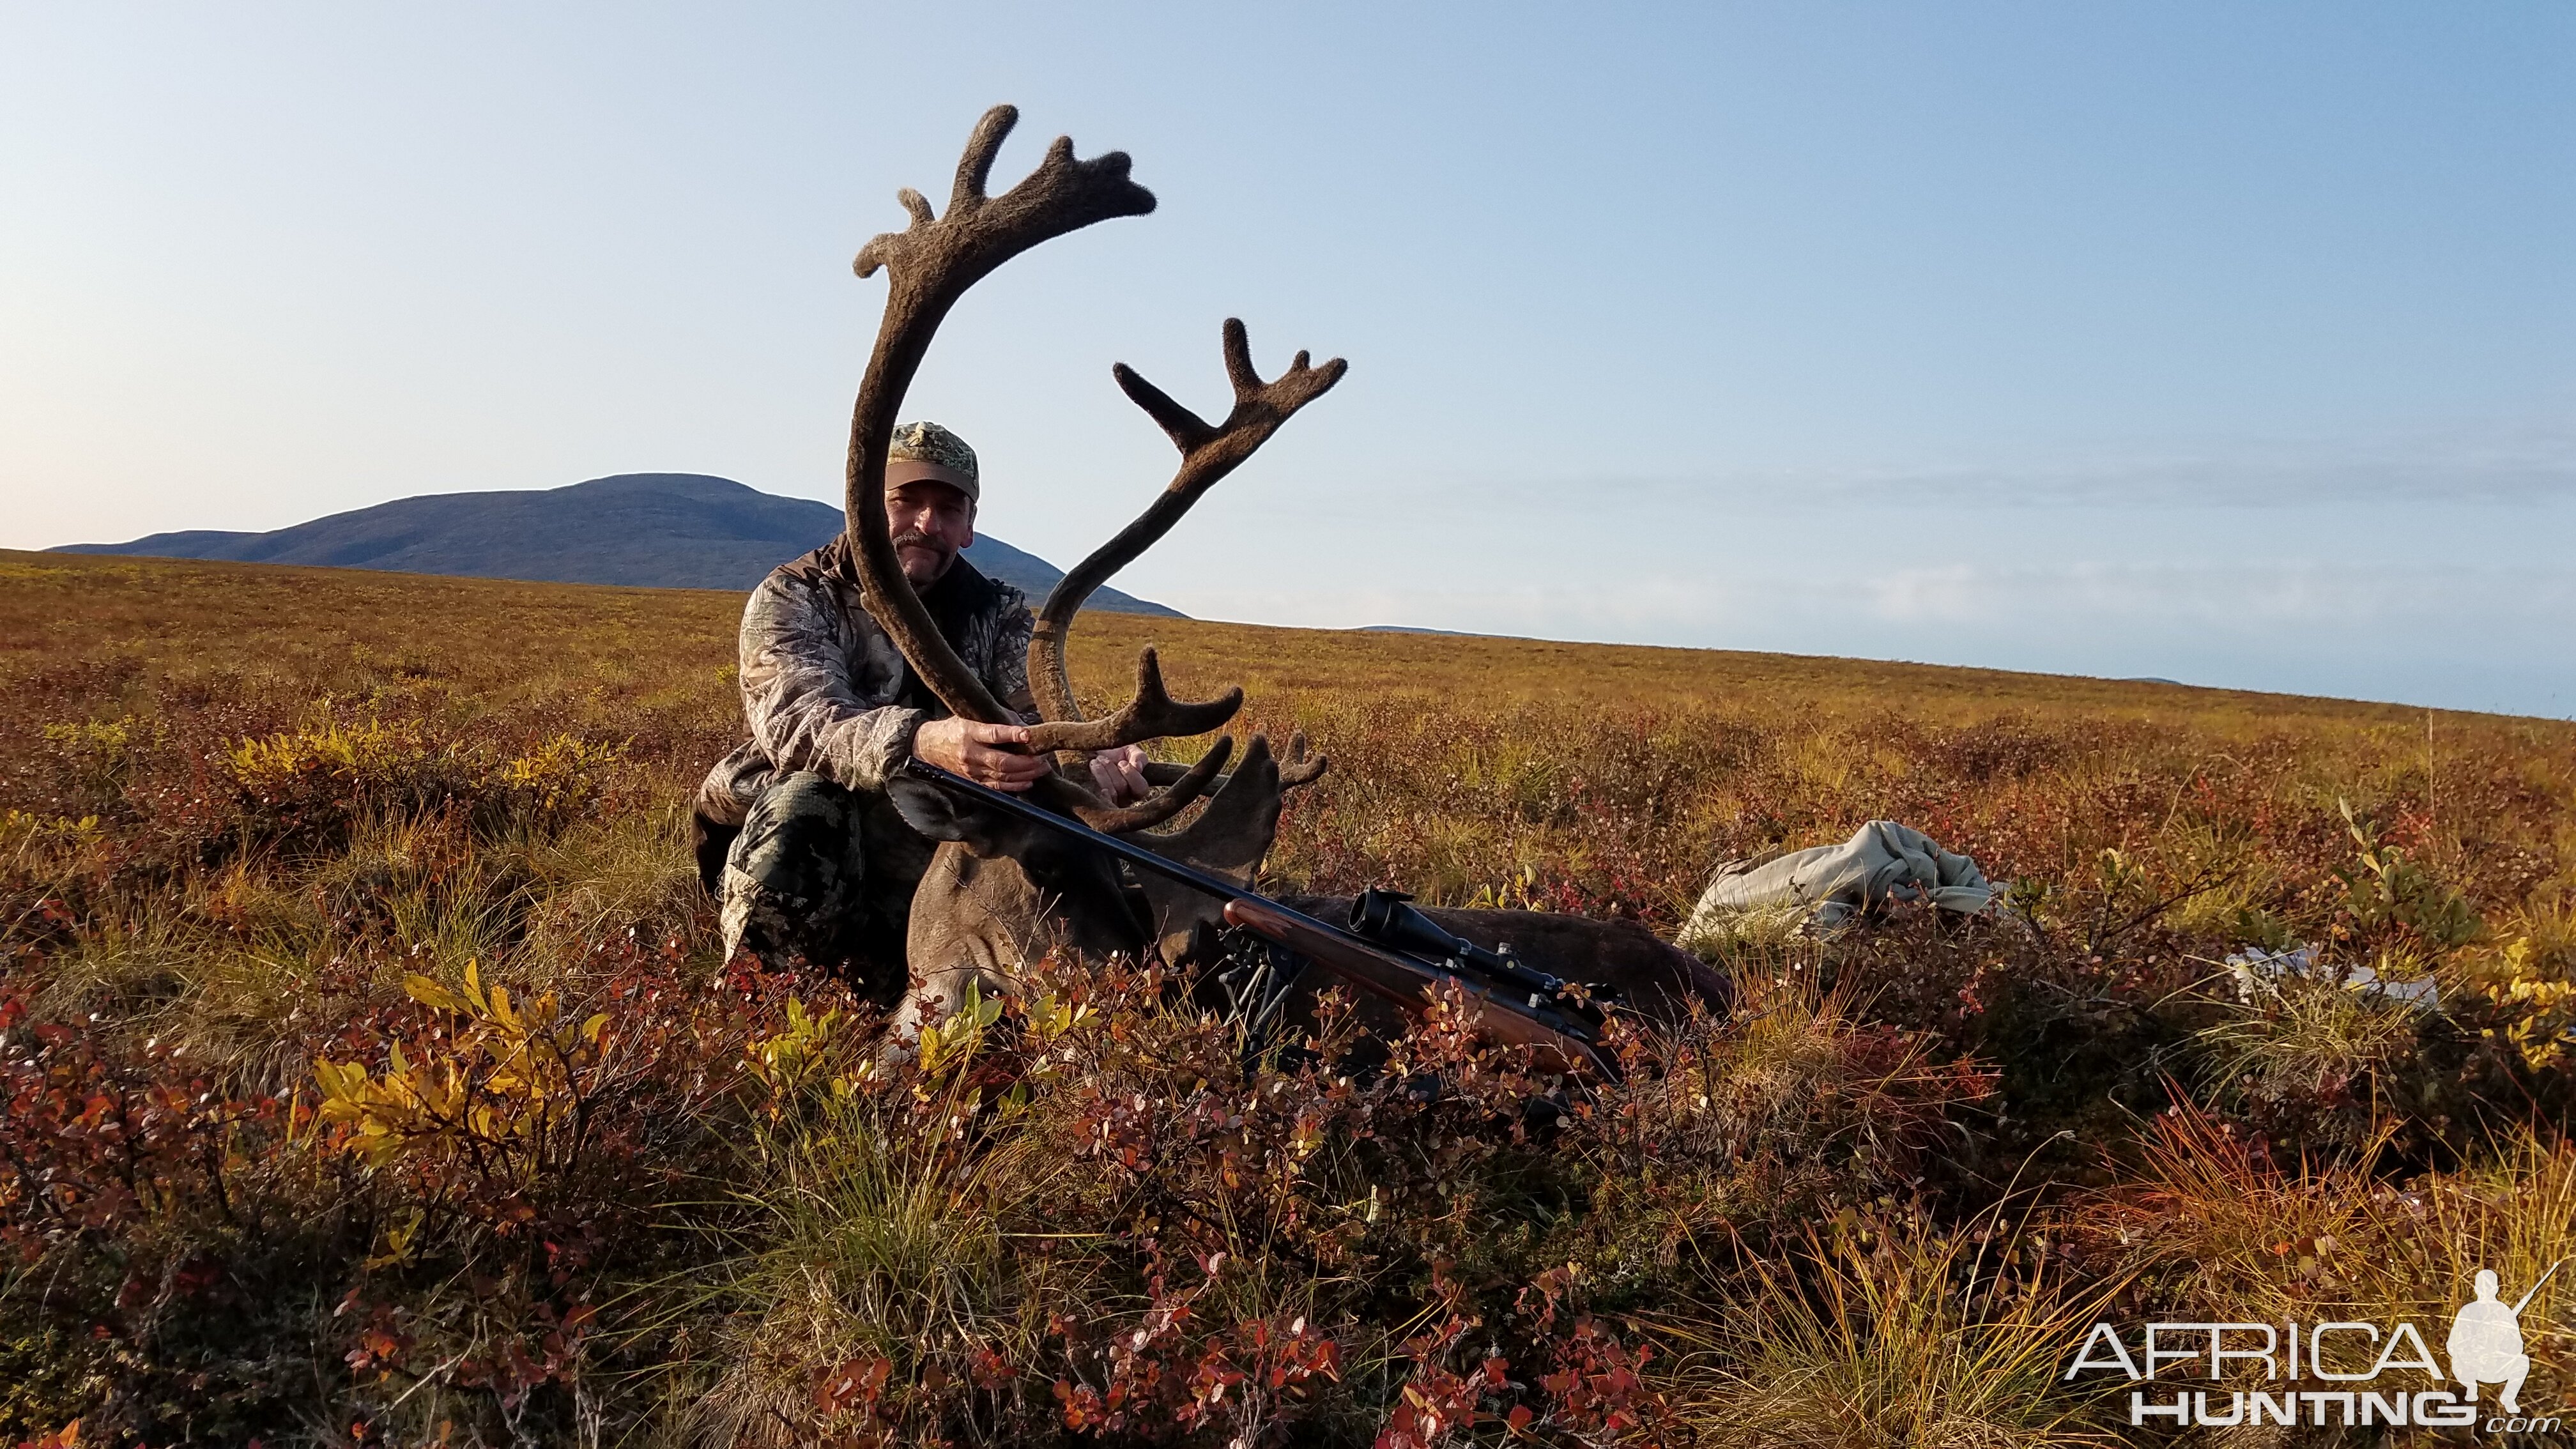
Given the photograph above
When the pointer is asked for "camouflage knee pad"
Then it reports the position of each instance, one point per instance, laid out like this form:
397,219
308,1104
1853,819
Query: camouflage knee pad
795,880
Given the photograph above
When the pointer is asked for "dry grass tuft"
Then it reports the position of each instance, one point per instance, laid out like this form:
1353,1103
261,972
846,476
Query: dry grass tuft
1898,1333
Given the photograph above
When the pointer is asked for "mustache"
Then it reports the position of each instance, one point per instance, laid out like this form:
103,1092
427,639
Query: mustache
915,538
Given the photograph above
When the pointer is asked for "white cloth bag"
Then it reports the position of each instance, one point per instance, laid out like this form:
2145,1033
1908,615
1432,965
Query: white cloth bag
1882,861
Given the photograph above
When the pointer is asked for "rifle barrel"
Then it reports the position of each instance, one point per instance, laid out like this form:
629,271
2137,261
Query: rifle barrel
2536,1287
1352,958
1128,851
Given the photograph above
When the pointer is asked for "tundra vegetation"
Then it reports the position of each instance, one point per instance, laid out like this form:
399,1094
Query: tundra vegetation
368,1073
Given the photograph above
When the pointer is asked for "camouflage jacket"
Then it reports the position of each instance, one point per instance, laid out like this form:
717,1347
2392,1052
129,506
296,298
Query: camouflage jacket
824,689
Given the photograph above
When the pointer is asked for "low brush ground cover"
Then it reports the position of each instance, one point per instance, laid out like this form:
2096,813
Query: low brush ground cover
368,1074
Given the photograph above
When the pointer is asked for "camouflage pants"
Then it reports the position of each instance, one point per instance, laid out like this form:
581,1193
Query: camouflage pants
825,873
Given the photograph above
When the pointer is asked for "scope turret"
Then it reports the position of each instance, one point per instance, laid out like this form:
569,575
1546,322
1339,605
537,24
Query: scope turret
1386,918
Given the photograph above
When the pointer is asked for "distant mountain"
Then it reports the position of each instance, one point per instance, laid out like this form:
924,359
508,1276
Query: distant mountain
655,530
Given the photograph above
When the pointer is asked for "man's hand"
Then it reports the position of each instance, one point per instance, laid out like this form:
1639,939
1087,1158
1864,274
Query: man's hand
1120,774
963,747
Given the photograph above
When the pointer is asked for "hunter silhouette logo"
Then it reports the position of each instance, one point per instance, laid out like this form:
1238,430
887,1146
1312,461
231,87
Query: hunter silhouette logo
2486,1341
2330,1374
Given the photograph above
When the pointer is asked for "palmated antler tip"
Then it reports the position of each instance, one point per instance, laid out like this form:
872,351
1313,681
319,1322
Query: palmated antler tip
932,263
1109,169
1300,765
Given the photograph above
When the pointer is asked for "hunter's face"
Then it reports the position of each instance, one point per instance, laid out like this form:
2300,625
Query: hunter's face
929,523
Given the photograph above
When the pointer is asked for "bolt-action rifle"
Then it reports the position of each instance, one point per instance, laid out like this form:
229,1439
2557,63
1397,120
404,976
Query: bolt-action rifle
1391,950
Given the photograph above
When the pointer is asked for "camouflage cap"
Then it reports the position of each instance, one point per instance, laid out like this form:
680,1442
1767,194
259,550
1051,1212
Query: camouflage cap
927,451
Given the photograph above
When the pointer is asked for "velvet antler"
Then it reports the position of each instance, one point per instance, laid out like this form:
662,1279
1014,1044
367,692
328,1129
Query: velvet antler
1208,453
929,265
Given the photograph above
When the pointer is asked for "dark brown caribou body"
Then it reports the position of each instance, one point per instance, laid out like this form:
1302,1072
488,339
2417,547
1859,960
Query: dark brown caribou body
1648,975
1000,893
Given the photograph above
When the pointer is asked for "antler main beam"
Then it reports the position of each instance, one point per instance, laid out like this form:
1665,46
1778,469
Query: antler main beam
1208,453
929,265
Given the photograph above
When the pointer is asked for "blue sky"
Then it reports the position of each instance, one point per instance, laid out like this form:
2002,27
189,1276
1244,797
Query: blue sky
2234,344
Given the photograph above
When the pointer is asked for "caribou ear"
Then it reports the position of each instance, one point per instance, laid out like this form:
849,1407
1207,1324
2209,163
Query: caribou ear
939,815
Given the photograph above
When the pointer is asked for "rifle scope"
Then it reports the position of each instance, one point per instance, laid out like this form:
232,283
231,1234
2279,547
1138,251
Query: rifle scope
1384,917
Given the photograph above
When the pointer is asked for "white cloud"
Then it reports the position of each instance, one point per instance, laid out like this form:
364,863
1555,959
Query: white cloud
2221,596
2453,635
2524,461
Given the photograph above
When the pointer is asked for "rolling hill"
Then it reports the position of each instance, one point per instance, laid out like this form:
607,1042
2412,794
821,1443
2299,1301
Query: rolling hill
654,530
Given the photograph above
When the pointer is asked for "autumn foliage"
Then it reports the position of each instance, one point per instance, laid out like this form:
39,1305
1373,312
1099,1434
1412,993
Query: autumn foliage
369,1073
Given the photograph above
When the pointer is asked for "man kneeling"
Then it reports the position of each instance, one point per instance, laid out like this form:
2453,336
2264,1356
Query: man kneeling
795,835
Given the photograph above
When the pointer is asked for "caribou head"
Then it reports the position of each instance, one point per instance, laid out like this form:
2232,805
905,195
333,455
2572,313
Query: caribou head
997,892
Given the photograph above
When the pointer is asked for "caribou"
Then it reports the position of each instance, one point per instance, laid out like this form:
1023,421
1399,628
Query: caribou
1001,893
